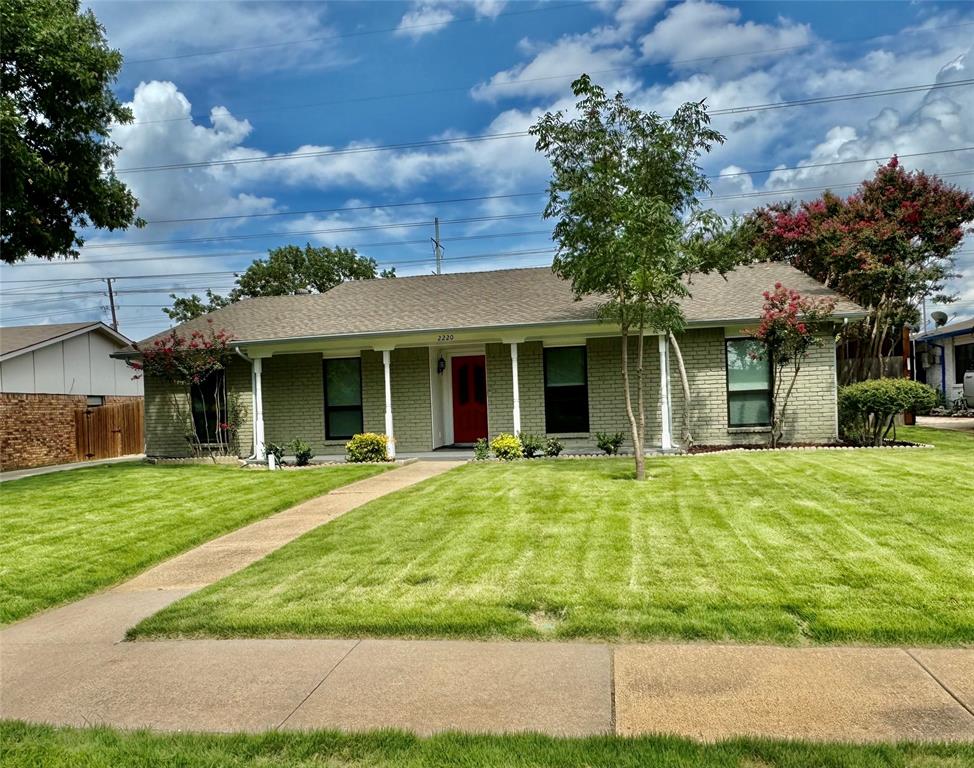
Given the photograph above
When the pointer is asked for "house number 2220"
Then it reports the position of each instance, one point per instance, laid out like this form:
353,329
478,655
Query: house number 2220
445,337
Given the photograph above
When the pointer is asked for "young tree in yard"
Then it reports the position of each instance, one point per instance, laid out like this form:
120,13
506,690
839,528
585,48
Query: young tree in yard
791,324
286,271
887,247
629,226
56,111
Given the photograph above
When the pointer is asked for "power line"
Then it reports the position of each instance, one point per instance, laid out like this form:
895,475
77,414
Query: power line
503,217
523,81
511,134
458,238
236,254
359,33
333,230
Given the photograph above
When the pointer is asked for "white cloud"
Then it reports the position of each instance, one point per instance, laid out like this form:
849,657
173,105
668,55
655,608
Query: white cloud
163,133
427,17
632,13
424,19
554,66
175,31
696,30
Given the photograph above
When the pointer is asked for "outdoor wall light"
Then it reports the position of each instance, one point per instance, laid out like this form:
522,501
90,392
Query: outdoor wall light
440,365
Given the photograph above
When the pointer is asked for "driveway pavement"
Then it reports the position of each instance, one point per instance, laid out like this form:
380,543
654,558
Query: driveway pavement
71,666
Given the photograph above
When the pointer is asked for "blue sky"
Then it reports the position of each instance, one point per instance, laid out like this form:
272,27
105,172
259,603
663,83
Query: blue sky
220,81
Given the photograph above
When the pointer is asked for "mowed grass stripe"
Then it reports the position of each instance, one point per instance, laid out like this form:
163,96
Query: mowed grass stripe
790,547
70,533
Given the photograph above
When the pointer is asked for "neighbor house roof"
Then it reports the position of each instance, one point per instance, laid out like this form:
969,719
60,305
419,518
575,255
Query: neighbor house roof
20,339
508,298
954,329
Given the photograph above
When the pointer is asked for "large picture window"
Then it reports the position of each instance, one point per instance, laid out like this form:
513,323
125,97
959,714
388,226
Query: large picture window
748,384
343,397
565,390
209,402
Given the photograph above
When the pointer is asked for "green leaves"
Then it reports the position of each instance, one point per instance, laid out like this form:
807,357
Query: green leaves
624,192
56,109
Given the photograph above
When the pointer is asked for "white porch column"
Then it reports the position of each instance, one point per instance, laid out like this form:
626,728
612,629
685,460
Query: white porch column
386,366
259,450
515,389
666,431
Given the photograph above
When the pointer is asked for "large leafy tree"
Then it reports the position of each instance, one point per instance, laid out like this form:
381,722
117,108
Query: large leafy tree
624,191
888,246
56,109
286,271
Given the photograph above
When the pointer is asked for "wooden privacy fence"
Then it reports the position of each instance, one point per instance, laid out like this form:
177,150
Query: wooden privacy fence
107,431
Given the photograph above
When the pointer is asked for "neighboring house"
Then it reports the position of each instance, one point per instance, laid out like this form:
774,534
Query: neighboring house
48,373
446,359
944,354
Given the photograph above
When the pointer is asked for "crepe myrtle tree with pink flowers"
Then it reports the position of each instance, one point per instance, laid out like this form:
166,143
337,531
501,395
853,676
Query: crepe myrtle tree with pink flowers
791,325
196,363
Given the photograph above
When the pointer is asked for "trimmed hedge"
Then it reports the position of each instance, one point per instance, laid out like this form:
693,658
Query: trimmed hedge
367,447
867,409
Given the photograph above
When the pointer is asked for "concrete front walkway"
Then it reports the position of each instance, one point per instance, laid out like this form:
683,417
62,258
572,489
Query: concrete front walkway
17,474
71,666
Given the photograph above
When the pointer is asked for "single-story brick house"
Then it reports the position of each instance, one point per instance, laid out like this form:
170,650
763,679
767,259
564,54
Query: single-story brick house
50,373
443,360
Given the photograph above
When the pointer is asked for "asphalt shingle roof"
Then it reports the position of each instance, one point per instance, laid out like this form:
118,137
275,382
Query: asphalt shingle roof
16,337
501,298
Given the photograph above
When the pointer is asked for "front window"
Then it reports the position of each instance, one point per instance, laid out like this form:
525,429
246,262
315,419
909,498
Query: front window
748,384
343,398
209,401
565,390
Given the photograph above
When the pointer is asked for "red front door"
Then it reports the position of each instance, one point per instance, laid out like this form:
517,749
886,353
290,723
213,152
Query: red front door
469,399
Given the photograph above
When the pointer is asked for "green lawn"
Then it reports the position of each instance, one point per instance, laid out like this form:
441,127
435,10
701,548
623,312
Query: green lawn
23,746
67,534
792,547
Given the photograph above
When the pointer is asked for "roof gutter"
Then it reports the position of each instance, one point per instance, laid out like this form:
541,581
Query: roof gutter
845,316
949,335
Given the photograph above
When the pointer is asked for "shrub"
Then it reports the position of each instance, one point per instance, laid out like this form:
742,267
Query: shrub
506,447
531,445
553,447
368,446
481,451
302,452
867,410
277,451
609,443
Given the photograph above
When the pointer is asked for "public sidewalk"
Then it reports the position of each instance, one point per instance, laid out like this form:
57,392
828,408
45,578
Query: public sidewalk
71,666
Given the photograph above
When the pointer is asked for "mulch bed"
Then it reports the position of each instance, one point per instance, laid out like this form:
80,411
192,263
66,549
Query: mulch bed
803,447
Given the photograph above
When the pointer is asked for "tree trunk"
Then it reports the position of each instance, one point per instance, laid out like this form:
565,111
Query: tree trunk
779,420
640,387
686,438
633,425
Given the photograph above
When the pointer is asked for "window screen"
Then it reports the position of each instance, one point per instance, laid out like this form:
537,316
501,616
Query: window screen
565,390
343,397
748,384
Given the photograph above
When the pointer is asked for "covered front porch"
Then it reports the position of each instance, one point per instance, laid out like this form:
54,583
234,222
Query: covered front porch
445,390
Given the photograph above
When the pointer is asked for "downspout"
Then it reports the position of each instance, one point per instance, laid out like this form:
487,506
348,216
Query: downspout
253,405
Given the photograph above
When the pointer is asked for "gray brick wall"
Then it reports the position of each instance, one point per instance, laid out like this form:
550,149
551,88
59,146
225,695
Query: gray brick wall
606,395
606,401
294,399
811,411
164,432
410,381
